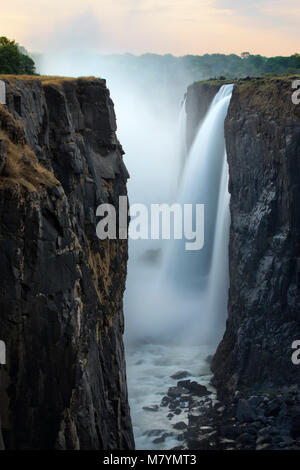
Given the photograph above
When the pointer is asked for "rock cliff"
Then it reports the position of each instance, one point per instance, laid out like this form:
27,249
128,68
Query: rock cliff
61,288
199,97
262,134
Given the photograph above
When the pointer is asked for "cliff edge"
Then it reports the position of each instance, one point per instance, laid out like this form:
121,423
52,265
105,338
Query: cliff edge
262,133
61,288
262,136
257,382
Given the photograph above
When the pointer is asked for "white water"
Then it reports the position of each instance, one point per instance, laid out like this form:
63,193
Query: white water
218,280
182,149
182,306
201,184
150,367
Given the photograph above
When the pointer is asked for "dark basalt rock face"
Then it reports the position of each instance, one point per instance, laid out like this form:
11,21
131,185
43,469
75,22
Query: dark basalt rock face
61,288
262,133
198,100
257,383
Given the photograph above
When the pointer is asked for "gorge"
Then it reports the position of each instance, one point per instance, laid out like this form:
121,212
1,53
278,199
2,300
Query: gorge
61,298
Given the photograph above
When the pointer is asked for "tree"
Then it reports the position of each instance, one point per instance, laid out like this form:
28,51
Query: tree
14,61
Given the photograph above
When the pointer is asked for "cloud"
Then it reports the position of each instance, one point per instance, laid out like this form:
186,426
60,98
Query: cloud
263,13
79,32
180,27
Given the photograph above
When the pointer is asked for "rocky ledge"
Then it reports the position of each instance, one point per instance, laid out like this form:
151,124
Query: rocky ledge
178,405
252,421
265,420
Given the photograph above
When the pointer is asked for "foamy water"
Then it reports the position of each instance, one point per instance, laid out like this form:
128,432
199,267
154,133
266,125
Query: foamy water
149,370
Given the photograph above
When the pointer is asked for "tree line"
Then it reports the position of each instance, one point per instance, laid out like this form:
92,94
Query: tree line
14,59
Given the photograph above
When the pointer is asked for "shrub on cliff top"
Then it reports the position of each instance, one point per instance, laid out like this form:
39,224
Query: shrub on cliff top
13,60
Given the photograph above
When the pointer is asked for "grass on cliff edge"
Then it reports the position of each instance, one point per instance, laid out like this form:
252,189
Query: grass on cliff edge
270,93
266,80
45,79
22,169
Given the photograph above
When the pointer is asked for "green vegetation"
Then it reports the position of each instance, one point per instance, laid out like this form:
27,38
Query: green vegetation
207,65
230,66
14,59
165,77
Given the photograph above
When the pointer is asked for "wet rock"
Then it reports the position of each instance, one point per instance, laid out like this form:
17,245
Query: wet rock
165,401
227,442
151,408
237,396
246,439
204,442
174,405
180,425
273,408
175,392
153,432
267,431
265,446
194,387
264,439
229,431
244,411
254,401
295,425
181,374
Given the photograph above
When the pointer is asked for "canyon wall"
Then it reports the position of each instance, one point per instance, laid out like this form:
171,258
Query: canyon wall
61,288
262,134
199,97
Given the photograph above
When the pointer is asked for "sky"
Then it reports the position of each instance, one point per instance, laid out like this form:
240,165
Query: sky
267,27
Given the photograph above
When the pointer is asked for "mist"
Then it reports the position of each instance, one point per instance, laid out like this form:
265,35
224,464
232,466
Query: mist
147,105
169,323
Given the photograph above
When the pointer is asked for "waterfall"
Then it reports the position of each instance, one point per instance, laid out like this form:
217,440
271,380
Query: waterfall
203,274
218,281
182,139
181,310
185,298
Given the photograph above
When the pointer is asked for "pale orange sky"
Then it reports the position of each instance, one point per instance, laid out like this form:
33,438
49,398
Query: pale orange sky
267,27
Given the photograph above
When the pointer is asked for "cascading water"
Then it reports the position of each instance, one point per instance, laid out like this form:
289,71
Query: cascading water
188,304
195,283
201,184
182,140
218,280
